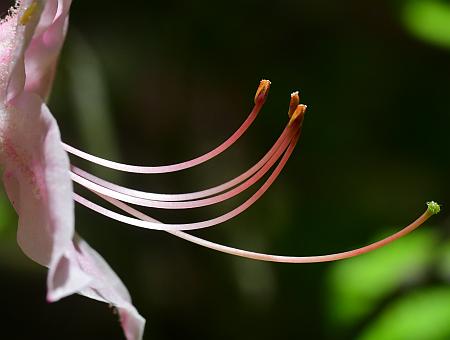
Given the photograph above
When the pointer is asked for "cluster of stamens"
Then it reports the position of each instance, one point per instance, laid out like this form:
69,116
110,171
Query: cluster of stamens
276,158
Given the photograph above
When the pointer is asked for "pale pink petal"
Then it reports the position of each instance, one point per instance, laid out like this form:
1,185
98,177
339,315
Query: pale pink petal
31,47
47,17
107,287
7,46
24,32
37,180
42,54
36,176
36,168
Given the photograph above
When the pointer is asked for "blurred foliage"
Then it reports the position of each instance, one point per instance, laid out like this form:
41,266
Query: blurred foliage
7,217
444,264
359,284
386,293
91,108
428,20
423,314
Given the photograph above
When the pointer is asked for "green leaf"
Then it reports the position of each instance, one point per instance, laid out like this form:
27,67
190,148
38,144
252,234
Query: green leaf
8,219
443,267
424,314
358,284
428,20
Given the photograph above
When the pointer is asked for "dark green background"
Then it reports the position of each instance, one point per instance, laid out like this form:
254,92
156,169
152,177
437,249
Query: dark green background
173,79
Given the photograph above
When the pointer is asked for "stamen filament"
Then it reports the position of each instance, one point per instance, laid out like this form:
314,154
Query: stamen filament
186,196
115,194
259,102
196,203
196,225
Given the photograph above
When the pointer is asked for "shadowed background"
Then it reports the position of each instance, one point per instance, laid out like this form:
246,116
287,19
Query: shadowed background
157,82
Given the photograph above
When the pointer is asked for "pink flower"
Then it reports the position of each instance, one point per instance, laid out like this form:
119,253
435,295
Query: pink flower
36,167
38,176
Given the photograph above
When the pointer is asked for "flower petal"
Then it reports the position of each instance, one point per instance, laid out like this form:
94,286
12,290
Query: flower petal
107,287
38,184
7,46
36,168
36,176
27,17
42,54
32,53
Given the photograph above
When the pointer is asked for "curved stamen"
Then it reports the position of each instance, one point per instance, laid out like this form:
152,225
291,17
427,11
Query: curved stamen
185,196
433,208
196,225
196,203
119,217
260,98
199,194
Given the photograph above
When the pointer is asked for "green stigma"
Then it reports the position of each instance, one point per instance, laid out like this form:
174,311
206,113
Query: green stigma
433,207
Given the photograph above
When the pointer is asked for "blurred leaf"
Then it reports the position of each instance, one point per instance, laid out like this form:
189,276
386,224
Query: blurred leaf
7,216
428,20
444,262
358,284
91,101
422,315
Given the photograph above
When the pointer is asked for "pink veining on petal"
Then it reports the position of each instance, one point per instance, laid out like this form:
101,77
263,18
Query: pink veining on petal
28,167
37,181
